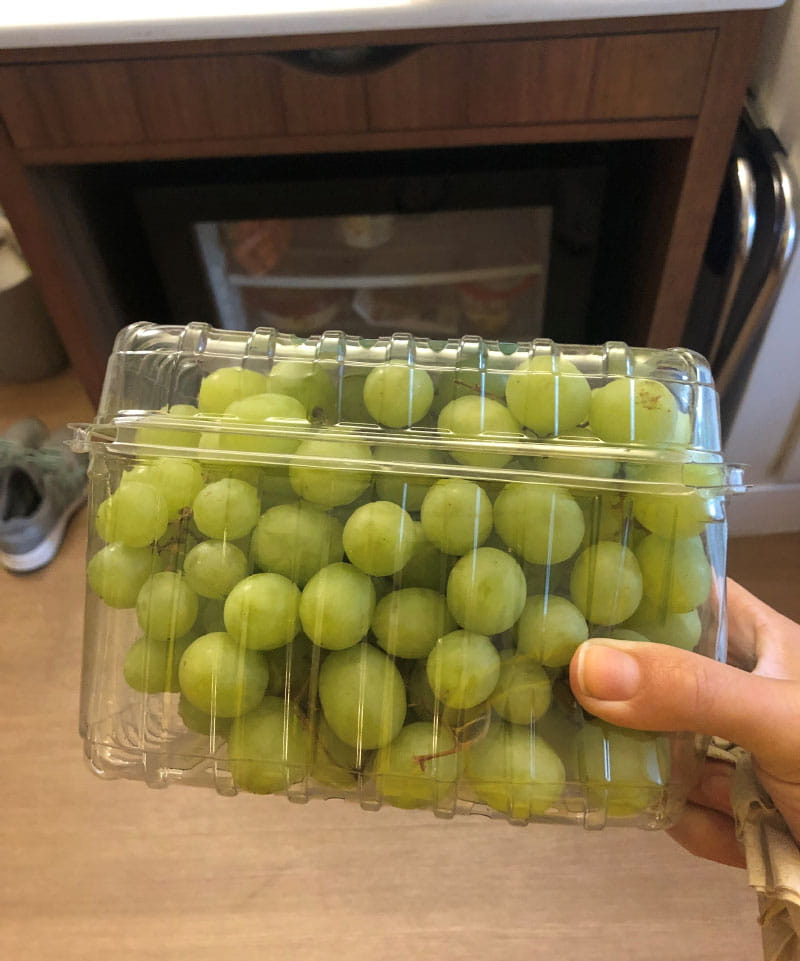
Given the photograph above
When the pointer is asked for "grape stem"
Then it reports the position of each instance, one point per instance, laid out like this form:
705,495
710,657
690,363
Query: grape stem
461,742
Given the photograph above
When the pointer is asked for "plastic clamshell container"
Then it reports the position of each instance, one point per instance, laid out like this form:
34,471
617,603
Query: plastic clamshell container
326,567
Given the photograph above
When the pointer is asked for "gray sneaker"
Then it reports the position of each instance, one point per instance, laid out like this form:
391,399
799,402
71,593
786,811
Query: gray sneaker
21,437
41,488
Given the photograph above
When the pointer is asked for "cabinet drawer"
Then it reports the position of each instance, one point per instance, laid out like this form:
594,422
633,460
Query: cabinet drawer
241,96
166,100
557,80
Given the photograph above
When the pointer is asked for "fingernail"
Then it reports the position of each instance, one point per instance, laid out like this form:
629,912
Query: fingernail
606,672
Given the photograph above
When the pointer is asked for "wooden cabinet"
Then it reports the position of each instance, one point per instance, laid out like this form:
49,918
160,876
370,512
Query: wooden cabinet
147,102
676,80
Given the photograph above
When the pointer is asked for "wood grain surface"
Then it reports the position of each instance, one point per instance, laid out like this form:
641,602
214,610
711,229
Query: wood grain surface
149,102
95,870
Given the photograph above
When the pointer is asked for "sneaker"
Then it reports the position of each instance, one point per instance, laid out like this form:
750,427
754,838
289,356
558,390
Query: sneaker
22,436
41,488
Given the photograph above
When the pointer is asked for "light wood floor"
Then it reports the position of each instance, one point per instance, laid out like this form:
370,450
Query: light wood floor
93,870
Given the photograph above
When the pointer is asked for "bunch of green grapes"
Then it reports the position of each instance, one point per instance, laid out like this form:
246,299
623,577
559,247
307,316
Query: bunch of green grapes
407,632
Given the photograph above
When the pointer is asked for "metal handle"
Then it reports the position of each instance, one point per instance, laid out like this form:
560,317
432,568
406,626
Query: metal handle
345,61
744,200
785,235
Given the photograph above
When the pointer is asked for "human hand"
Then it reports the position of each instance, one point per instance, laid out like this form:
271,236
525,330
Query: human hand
754,701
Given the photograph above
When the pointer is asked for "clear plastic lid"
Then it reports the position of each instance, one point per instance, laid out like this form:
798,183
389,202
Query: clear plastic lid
607,416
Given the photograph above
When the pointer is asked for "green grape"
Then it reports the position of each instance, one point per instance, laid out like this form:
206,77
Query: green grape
186,411
419,768
268,749
549,395
576,466
336,606
674,515
345,755
262,611
352,406
477,418
166,606
226,509
222,470
698,477
523,692
426,707
344,512
541,523
463,669
222,387
332,486
486,591
297,540
703,471
275,487
363,697
427,566
646,612
676,573
335,763
164,435
210,618
178,481
624,771
379,538
456,515
550,630
682,433
421,699
210,440
594,464
626,634
151,667
452,384
212,568
408,622
116,573
544,578
606,583
633,411
221,677
515,772
290,667
307,383
407,490
608,517
179,538
214,470
135,515
201,723
397,395
677,629
560,731
264,410
141,474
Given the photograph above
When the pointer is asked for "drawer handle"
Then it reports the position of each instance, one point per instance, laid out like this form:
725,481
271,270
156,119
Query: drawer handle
343,61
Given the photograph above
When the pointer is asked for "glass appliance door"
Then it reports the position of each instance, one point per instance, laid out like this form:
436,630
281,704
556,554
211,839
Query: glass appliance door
436,274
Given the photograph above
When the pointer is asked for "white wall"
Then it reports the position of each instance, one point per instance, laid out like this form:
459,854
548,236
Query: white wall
771,403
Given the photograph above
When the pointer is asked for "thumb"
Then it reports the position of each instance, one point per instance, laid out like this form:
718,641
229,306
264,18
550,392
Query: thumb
655,687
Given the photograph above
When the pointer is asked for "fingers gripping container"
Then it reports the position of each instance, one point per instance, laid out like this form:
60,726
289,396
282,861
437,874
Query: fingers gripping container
337,568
